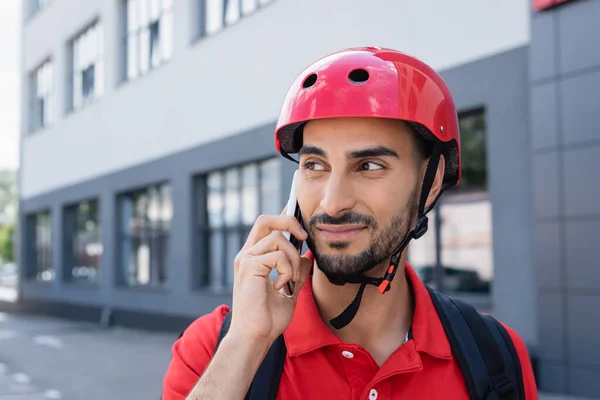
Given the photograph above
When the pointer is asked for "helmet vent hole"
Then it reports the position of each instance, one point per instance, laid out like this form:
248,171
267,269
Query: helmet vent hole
309,81
358,76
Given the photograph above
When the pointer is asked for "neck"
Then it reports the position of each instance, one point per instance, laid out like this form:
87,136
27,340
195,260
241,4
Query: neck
382,321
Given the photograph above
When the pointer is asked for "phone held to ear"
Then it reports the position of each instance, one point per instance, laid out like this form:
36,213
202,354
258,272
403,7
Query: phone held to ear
293,209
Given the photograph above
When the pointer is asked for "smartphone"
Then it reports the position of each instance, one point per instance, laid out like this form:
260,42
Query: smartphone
294,210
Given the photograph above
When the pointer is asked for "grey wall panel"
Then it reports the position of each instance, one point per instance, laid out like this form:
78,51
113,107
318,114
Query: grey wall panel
544,120
584,381
552,318
542,63
578,35
545,184
583,328
552,377
579,103
548,255
582,244
582,172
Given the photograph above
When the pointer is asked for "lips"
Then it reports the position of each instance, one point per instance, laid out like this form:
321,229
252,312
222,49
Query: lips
340,232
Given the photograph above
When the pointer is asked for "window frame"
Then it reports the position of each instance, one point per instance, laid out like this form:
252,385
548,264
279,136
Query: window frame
49,97
98,64
122,271
202,231
33,247
203,18
139,32
68,235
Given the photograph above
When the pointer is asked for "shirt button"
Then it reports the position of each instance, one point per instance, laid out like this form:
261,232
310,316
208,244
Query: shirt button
347,354
373,394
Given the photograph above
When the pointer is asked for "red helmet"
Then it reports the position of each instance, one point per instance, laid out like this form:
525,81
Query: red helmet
384,83
373,82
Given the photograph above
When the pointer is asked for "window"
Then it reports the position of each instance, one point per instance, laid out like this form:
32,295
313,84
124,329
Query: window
83,247
42,98
149,35
221,13
145,225
40,246
87,68
232,199
461,223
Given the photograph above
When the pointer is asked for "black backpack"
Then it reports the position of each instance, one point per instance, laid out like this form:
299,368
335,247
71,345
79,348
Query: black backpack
482,347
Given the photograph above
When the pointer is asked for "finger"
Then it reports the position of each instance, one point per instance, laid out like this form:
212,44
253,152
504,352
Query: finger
276,241
277,260
265,224
262,265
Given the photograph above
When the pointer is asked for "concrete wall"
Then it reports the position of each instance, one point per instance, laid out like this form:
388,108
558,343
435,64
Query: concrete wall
209,88
565,81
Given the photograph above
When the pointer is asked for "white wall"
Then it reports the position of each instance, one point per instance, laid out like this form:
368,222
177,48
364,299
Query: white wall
236,79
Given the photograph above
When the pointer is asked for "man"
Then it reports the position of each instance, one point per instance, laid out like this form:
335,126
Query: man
377,138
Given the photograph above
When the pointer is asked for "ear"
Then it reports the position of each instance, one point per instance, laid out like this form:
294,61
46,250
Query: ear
437,182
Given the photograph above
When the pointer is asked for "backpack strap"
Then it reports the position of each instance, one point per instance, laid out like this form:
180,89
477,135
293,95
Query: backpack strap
483,350
265,384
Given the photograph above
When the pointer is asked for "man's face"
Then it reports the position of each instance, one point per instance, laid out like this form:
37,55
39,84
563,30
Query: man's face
357,191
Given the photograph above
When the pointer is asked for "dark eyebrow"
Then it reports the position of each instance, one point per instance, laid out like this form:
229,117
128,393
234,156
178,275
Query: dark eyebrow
312,150
380,151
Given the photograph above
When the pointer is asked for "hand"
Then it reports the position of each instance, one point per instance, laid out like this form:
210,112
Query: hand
261,312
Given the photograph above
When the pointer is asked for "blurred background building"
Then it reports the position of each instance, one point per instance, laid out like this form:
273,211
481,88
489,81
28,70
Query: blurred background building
147,152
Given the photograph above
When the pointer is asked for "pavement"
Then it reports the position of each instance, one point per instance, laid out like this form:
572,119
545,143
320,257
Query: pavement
44,358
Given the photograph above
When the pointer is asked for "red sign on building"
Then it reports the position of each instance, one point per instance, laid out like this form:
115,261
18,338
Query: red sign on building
539,5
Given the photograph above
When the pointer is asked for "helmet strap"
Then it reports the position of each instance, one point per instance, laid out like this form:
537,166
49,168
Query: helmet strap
384,283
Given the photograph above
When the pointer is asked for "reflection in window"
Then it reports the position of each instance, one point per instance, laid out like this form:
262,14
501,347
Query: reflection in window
42,96
88,66
40,246
234,199
220,13
145,225
463,219
83,247
149,35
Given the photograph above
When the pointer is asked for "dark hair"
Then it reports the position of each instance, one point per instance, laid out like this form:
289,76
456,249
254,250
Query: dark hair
423,146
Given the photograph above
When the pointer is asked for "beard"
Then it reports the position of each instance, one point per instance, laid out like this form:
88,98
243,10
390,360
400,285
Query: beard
384,241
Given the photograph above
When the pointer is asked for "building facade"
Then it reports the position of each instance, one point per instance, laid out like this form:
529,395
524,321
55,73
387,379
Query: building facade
147,153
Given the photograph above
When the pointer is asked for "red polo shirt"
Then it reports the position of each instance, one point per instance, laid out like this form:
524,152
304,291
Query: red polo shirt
319,365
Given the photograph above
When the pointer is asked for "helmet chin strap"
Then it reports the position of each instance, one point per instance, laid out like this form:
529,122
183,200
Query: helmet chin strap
384,283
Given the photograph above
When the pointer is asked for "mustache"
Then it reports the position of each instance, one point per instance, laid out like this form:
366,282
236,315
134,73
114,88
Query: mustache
344,219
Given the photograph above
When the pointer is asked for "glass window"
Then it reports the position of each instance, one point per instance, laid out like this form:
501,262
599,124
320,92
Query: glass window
42,99
83,247
40,246
220,13
235,197
88,66
145,227
149,35
456,253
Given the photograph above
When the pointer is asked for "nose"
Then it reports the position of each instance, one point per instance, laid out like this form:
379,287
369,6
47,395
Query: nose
338,195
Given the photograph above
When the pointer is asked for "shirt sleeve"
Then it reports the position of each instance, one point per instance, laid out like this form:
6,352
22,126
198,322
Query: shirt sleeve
529,383
192,353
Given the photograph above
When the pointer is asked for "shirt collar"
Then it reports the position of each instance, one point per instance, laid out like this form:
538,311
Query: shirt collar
308,332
